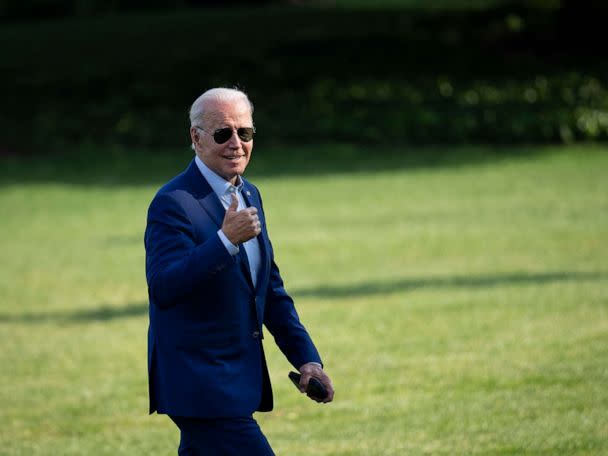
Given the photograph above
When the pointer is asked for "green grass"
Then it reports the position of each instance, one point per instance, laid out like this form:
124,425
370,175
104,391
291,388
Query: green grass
459,299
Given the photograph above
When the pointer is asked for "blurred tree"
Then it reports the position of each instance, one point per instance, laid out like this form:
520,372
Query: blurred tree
19,10
519,71
581,25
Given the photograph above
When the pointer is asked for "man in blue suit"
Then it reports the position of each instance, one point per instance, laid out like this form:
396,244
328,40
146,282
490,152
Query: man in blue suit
212,284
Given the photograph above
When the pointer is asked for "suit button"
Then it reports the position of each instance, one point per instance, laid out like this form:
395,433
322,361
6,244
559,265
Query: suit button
256,334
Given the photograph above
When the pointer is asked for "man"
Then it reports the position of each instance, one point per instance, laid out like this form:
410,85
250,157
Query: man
212,283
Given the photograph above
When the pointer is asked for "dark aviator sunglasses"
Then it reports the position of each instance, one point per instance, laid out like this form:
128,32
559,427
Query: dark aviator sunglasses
221,135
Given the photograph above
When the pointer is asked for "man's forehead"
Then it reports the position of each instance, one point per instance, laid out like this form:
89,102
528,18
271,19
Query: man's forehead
221,107
218,113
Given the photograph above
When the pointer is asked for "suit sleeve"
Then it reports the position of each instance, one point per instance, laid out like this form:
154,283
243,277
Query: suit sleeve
283,322
175,263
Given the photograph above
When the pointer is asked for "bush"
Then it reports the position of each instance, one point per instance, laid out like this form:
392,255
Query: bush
375,75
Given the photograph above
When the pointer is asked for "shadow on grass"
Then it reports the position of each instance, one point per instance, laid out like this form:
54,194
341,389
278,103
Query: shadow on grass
91,167
409,284
100,314
107,313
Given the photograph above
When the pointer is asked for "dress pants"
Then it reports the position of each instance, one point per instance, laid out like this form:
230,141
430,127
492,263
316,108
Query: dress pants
221,437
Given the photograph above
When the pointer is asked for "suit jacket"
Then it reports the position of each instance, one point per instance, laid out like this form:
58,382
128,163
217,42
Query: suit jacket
205,354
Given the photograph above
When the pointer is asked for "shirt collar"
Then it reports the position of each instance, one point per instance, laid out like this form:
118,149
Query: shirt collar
218,184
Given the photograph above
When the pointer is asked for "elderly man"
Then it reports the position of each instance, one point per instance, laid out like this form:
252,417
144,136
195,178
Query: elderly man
212,283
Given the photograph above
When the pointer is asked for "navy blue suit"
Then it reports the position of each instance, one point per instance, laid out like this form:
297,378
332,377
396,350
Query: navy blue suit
205,354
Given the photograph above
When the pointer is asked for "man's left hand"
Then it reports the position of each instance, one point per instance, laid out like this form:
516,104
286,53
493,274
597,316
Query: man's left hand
315,370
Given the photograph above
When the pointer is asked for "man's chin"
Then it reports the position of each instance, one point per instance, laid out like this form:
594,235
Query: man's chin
236,170
231,175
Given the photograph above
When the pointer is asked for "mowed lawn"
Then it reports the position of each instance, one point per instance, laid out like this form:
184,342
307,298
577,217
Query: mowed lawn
460,302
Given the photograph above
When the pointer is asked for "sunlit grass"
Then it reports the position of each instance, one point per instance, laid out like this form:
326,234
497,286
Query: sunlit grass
460,309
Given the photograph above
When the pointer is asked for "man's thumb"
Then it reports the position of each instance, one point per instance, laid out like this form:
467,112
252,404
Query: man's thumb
234,204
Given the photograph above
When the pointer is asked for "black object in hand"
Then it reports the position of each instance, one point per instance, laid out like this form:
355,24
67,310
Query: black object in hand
315,387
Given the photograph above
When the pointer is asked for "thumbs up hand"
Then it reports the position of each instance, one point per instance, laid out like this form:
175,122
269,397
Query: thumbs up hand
234,203
240,226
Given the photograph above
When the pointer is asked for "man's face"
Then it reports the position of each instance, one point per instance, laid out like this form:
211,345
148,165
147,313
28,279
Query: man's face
230,158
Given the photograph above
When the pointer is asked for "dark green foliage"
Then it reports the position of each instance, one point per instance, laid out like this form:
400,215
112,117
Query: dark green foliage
371,75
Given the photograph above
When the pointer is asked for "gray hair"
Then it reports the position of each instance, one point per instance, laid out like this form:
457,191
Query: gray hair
198,110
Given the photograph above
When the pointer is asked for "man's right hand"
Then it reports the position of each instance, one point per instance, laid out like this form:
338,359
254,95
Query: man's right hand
240,226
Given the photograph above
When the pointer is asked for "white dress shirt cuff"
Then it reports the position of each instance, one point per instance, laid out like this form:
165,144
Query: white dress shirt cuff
232,249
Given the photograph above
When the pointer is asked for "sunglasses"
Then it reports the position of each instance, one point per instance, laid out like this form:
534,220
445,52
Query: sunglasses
221,135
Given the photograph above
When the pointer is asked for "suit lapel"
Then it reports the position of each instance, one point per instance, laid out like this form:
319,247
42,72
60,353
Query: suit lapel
205,195
244,265
213,206
251,199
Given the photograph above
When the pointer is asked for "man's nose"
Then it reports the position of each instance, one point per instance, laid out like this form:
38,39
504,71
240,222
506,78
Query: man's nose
234,142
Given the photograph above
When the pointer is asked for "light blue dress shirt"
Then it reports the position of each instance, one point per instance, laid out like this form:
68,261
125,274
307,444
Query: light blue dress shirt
222,188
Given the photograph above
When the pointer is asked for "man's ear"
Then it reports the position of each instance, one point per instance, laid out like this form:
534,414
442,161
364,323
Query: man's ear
194,135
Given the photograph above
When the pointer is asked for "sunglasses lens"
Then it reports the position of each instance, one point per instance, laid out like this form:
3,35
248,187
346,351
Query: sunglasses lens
246,134
222,135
